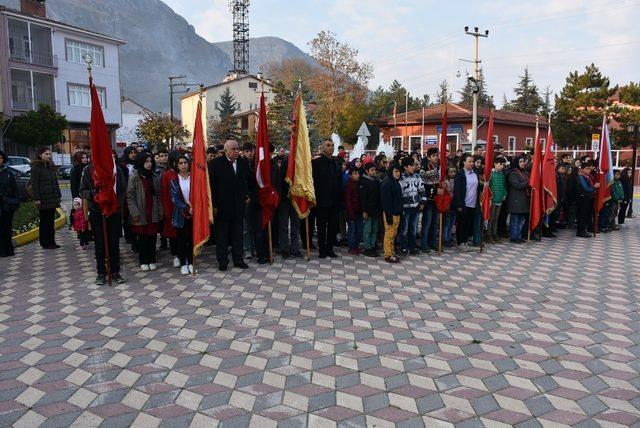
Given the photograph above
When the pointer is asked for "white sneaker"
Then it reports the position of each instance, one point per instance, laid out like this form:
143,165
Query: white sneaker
153,266
176,262
144,268
191,269
184,270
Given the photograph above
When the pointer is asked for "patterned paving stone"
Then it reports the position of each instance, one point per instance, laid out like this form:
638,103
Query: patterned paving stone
527,336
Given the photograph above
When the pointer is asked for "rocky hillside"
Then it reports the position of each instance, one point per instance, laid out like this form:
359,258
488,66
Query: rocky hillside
160,43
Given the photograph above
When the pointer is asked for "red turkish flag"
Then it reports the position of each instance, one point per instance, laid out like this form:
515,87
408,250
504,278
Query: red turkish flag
488,164
535,182
549,184
267,195
104,177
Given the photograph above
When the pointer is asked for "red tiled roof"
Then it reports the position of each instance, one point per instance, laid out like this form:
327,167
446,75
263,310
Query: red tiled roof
457,113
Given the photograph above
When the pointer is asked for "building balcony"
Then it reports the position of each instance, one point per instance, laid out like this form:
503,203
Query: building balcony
47,60
28,103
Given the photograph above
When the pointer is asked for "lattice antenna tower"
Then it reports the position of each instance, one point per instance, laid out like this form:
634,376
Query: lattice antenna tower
240,11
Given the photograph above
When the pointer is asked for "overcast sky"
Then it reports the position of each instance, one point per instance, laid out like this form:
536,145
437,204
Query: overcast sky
419,42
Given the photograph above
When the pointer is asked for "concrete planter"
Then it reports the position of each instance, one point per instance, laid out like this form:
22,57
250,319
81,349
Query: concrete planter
33,234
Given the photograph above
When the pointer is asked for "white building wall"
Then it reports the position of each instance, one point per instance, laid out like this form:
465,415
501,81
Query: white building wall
107,77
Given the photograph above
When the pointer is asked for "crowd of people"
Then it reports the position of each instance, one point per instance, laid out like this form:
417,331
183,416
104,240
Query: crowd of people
367,204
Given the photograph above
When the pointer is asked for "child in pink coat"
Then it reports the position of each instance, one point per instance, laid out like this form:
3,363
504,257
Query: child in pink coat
80,224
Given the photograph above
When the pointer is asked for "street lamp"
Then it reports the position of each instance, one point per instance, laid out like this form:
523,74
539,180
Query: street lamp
185,89
633,129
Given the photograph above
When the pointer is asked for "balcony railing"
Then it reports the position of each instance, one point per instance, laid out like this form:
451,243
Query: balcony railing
26,104
21,55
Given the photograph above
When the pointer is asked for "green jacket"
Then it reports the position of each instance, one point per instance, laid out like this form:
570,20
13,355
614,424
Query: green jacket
617,193
498,187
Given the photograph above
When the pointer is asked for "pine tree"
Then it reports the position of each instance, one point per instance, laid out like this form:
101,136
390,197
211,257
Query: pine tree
227,104
546,106
484,99
527,97
280,115
579,106
443,96
505,104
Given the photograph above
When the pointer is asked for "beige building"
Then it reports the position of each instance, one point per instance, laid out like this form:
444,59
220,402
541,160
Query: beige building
246,90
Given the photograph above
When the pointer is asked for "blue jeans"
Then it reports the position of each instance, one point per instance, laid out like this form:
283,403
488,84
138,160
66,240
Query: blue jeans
516,223
408,228
430,219
448,222
354,232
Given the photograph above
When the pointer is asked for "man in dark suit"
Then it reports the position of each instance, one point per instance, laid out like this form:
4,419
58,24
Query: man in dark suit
327,180
229,190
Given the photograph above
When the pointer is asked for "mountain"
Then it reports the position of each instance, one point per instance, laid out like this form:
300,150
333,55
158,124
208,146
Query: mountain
161,43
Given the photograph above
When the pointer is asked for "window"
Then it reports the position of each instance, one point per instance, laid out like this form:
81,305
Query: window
414,143
512,144
495,139
396,142
80,96
76,50
253,85
542,143
528,141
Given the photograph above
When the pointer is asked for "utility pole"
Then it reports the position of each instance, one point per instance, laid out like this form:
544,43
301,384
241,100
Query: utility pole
172,91
474,124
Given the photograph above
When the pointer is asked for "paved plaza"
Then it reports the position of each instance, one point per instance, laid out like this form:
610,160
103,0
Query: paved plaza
546,334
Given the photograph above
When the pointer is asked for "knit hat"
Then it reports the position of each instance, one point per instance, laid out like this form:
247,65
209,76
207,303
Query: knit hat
78,201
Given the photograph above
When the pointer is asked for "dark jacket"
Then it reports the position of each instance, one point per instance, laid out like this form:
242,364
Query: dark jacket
352,203
626,188
327,181
9,198
44,184
460,190
74,179
370,196
391,197
518,196
87,189
180,206
229,190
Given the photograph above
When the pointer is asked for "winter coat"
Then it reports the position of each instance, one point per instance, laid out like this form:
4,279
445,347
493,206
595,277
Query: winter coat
352,203
498,187
9,198
412,190
87,189
370,196
75,175
327,181
518,197
168,231
391,197
617,193
180,206
80,223
626,187
229,189
430,176
460,190
44,184
136,200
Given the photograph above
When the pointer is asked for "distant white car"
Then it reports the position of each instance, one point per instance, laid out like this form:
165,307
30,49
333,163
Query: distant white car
20,163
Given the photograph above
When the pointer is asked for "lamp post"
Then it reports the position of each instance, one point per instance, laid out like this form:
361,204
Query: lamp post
172,91
633,129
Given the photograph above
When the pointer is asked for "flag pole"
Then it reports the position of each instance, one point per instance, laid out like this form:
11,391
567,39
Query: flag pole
306,223
195,253
88,59
440,236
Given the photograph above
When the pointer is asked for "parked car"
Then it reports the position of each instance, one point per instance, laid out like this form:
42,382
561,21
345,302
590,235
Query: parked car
20,163
64,172
22,179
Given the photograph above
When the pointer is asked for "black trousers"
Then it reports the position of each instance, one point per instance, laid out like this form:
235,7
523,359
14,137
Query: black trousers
584,213
464,229
147,249
327,221
622,213
184,243
47,230
83,236
6,229
114,228
229,232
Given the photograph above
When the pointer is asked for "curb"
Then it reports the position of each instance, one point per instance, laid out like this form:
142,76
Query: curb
33,234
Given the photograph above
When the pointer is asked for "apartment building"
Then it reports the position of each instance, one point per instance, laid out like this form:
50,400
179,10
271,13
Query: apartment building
43,62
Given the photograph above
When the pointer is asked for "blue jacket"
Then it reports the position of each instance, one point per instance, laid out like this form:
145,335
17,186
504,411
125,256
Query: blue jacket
180,206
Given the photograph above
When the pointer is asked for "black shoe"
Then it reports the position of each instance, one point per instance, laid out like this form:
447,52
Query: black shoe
101,280
118,279
285,254
369,253
404,253
584,235
296,254
261,261
332,254
242,265
415,251
322,255
222,268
